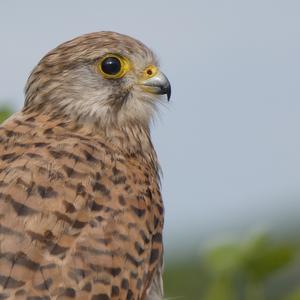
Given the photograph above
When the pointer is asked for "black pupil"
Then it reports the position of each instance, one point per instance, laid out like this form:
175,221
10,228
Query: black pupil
111,65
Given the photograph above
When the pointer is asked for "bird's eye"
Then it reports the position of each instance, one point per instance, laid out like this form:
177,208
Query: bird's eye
113,66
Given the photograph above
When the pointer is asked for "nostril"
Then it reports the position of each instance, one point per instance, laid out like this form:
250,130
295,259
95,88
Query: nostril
149,72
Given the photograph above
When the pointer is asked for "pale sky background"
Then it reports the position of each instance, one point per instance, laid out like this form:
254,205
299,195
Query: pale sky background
229,140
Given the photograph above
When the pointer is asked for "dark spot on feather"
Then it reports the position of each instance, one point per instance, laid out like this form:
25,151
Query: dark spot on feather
38,298
48,131
114,271
48,235
33,155
30,119
57,250
78,224
122,200
87,287
69,207
45,285
138,211
100,297
46,192
154,255
69,171
89,157
10,133
133,260
125,284
38,145
144,237
94,206
129,295
157,238
139,249
4,296
10,157
20,209
97,186
115,291
10,283
80,189
68,292
139,283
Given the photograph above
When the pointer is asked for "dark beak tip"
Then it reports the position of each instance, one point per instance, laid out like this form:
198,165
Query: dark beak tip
169,93
167,90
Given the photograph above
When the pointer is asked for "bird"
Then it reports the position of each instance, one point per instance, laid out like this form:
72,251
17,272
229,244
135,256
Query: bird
81,211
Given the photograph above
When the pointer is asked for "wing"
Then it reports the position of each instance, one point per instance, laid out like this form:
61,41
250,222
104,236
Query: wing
78,220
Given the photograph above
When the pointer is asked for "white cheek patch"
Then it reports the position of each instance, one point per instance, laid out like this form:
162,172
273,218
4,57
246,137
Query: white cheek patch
98,106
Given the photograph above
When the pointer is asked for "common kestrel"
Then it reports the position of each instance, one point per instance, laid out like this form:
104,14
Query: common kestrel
81,214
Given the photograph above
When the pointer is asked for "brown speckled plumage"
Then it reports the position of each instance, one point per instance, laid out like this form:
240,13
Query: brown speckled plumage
81,214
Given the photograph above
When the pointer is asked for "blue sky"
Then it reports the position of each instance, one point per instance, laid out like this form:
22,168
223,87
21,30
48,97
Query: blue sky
228,141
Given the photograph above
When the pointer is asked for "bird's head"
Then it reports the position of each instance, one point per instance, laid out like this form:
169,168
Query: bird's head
105,78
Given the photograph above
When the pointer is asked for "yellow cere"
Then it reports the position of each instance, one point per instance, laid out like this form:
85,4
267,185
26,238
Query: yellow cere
150,72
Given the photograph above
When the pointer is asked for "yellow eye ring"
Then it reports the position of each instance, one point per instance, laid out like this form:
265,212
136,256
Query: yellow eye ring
113,66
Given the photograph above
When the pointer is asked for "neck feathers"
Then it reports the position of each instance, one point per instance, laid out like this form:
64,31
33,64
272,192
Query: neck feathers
132,140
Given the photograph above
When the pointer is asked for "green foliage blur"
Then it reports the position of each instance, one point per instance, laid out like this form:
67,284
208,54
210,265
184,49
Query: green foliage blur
5,112
257,268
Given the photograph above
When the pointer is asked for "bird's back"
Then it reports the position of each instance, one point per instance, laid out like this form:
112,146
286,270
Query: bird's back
78,218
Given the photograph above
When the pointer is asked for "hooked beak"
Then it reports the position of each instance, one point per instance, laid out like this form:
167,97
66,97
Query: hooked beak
158,84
